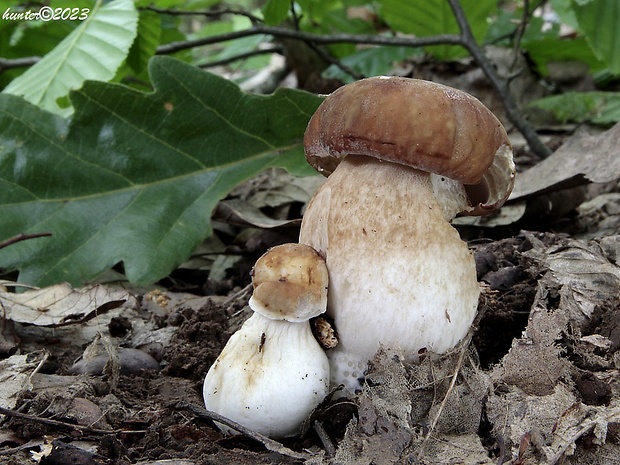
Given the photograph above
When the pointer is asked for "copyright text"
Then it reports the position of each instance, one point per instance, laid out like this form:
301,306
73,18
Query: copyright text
47,13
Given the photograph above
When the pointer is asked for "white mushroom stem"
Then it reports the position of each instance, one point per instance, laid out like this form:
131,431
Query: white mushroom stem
400,276
269,377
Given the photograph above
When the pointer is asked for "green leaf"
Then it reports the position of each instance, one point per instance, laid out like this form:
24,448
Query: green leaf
134,177
432,17
502,30
276,11
374,61
596,107
564,10
147,40
94,50
544,51
599,20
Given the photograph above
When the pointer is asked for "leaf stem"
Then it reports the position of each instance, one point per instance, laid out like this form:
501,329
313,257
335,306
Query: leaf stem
22,237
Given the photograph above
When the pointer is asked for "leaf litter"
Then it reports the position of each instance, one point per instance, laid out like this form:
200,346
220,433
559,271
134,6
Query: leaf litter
538,384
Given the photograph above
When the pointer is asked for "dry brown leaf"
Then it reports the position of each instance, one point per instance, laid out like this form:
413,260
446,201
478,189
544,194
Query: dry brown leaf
576,422
515,414
15,373
61,304
584,275
583,158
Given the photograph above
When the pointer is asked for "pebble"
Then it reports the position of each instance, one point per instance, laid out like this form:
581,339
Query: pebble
132,362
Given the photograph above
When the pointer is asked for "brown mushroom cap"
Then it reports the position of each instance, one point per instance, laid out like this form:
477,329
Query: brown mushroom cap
417,123
290,283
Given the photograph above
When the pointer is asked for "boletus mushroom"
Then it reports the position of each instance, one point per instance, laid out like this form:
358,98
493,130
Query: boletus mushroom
403,157
272,372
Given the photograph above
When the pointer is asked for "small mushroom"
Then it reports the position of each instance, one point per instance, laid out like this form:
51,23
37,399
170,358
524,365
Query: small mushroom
403,156
272,372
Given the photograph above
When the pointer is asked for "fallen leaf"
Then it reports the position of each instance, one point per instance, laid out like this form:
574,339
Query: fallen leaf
61,304
15,373
582,159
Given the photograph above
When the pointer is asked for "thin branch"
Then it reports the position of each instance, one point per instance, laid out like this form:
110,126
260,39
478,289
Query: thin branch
64,424
277,31
328,445
208,14
464,347
500,85
465,39
457,370
22,237
520,32
269,443
333,61
10,63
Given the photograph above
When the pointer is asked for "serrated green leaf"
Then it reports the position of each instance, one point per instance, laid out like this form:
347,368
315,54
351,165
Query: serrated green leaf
133,177
432,17
599,20
147,40
94,50
595,107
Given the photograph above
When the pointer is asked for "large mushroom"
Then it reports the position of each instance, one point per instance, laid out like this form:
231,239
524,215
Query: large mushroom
272,372
404,157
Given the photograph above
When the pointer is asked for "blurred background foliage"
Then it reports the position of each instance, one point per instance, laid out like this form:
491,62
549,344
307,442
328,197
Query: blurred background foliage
583,33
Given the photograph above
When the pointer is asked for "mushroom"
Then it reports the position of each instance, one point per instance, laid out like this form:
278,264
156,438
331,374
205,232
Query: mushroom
403,156
272,372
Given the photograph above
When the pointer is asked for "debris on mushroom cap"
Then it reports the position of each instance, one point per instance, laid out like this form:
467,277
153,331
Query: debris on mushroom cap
325,333
417,123
290,283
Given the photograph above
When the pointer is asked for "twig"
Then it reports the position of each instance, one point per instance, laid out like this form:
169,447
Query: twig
608,417
64,424
209,13
277,31
465,39
464,349
270,444
457,370
231,300
332,61
500,85
328,445
22,237
520,32
10,63
29,445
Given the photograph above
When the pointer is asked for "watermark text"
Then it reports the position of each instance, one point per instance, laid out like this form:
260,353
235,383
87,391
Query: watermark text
47,13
